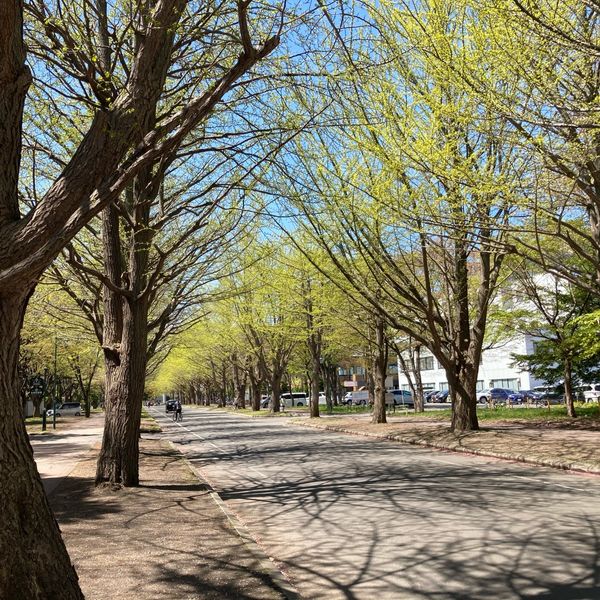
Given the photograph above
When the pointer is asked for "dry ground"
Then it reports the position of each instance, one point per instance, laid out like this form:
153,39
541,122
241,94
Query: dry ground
166,539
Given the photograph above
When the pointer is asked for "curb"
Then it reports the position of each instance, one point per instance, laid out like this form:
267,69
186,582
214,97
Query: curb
267,563
554,464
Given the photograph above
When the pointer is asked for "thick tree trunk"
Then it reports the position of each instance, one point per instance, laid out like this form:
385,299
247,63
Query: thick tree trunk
464,405
275,393
255,386
118,463
255,392
379,373
35,564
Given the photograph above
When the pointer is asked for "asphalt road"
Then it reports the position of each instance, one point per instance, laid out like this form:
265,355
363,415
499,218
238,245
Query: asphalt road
346,517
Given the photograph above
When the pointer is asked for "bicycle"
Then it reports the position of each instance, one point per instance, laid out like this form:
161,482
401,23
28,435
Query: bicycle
177,416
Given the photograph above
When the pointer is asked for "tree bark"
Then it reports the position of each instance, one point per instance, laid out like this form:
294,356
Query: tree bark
379,372
118,462
314,388
239,383
568,376
463,387
276,392
29,534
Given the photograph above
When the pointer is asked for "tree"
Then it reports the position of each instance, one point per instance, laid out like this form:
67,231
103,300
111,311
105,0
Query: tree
541,78
551,311
413,196
115,146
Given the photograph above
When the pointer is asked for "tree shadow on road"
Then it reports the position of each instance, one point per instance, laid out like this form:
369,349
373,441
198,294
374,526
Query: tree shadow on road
351,518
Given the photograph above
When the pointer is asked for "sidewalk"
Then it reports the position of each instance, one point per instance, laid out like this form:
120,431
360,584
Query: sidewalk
168,538
57,451
554,444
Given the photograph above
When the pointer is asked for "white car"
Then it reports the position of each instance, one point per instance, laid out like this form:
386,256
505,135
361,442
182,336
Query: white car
591,392
66,409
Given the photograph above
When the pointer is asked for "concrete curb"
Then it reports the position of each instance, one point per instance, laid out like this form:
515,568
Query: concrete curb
540,462
267,563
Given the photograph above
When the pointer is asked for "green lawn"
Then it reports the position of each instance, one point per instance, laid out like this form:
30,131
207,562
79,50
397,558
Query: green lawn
556,412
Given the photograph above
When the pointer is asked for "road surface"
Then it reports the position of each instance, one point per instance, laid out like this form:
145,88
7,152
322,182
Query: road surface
346,517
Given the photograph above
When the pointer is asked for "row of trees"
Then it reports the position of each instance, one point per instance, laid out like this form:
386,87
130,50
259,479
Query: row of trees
466,151
413,151
126,131
278,323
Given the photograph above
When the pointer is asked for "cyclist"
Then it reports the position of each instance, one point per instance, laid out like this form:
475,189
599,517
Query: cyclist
178,414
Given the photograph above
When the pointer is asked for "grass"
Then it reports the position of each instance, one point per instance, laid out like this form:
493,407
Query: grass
555,412
148,423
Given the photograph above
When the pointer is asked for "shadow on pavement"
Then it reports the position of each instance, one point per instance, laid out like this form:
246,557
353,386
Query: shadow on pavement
166,538
361,519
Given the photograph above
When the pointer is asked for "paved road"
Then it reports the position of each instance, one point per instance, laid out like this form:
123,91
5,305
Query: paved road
350,518
57,454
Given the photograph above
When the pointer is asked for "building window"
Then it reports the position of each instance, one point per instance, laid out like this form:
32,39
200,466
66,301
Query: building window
393,369
426,363
443,386
480,386
509,384
360,370
406,387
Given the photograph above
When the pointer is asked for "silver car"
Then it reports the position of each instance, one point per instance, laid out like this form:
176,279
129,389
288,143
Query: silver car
66,409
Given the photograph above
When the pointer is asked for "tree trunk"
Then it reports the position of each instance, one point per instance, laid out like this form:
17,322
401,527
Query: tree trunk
239,383
255,392
275,393
35,564
314,348
379,372
418,388
568,375
118,463
464,402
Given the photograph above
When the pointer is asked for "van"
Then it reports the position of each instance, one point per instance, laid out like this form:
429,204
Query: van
361,398
402,398
591,392
294,399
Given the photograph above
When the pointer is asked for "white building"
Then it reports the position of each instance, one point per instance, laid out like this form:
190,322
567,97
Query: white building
496,368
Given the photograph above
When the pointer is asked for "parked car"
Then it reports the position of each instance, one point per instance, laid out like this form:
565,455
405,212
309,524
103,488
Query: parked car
441,396
403,398
549,394
170,406
516,397
496,395
65,409
592,394
359,398
291,399
429,395
528,395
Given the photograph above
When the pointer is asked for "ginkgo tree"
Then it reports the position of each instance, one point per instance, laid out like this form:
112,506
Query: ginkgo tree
123,129
413,197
